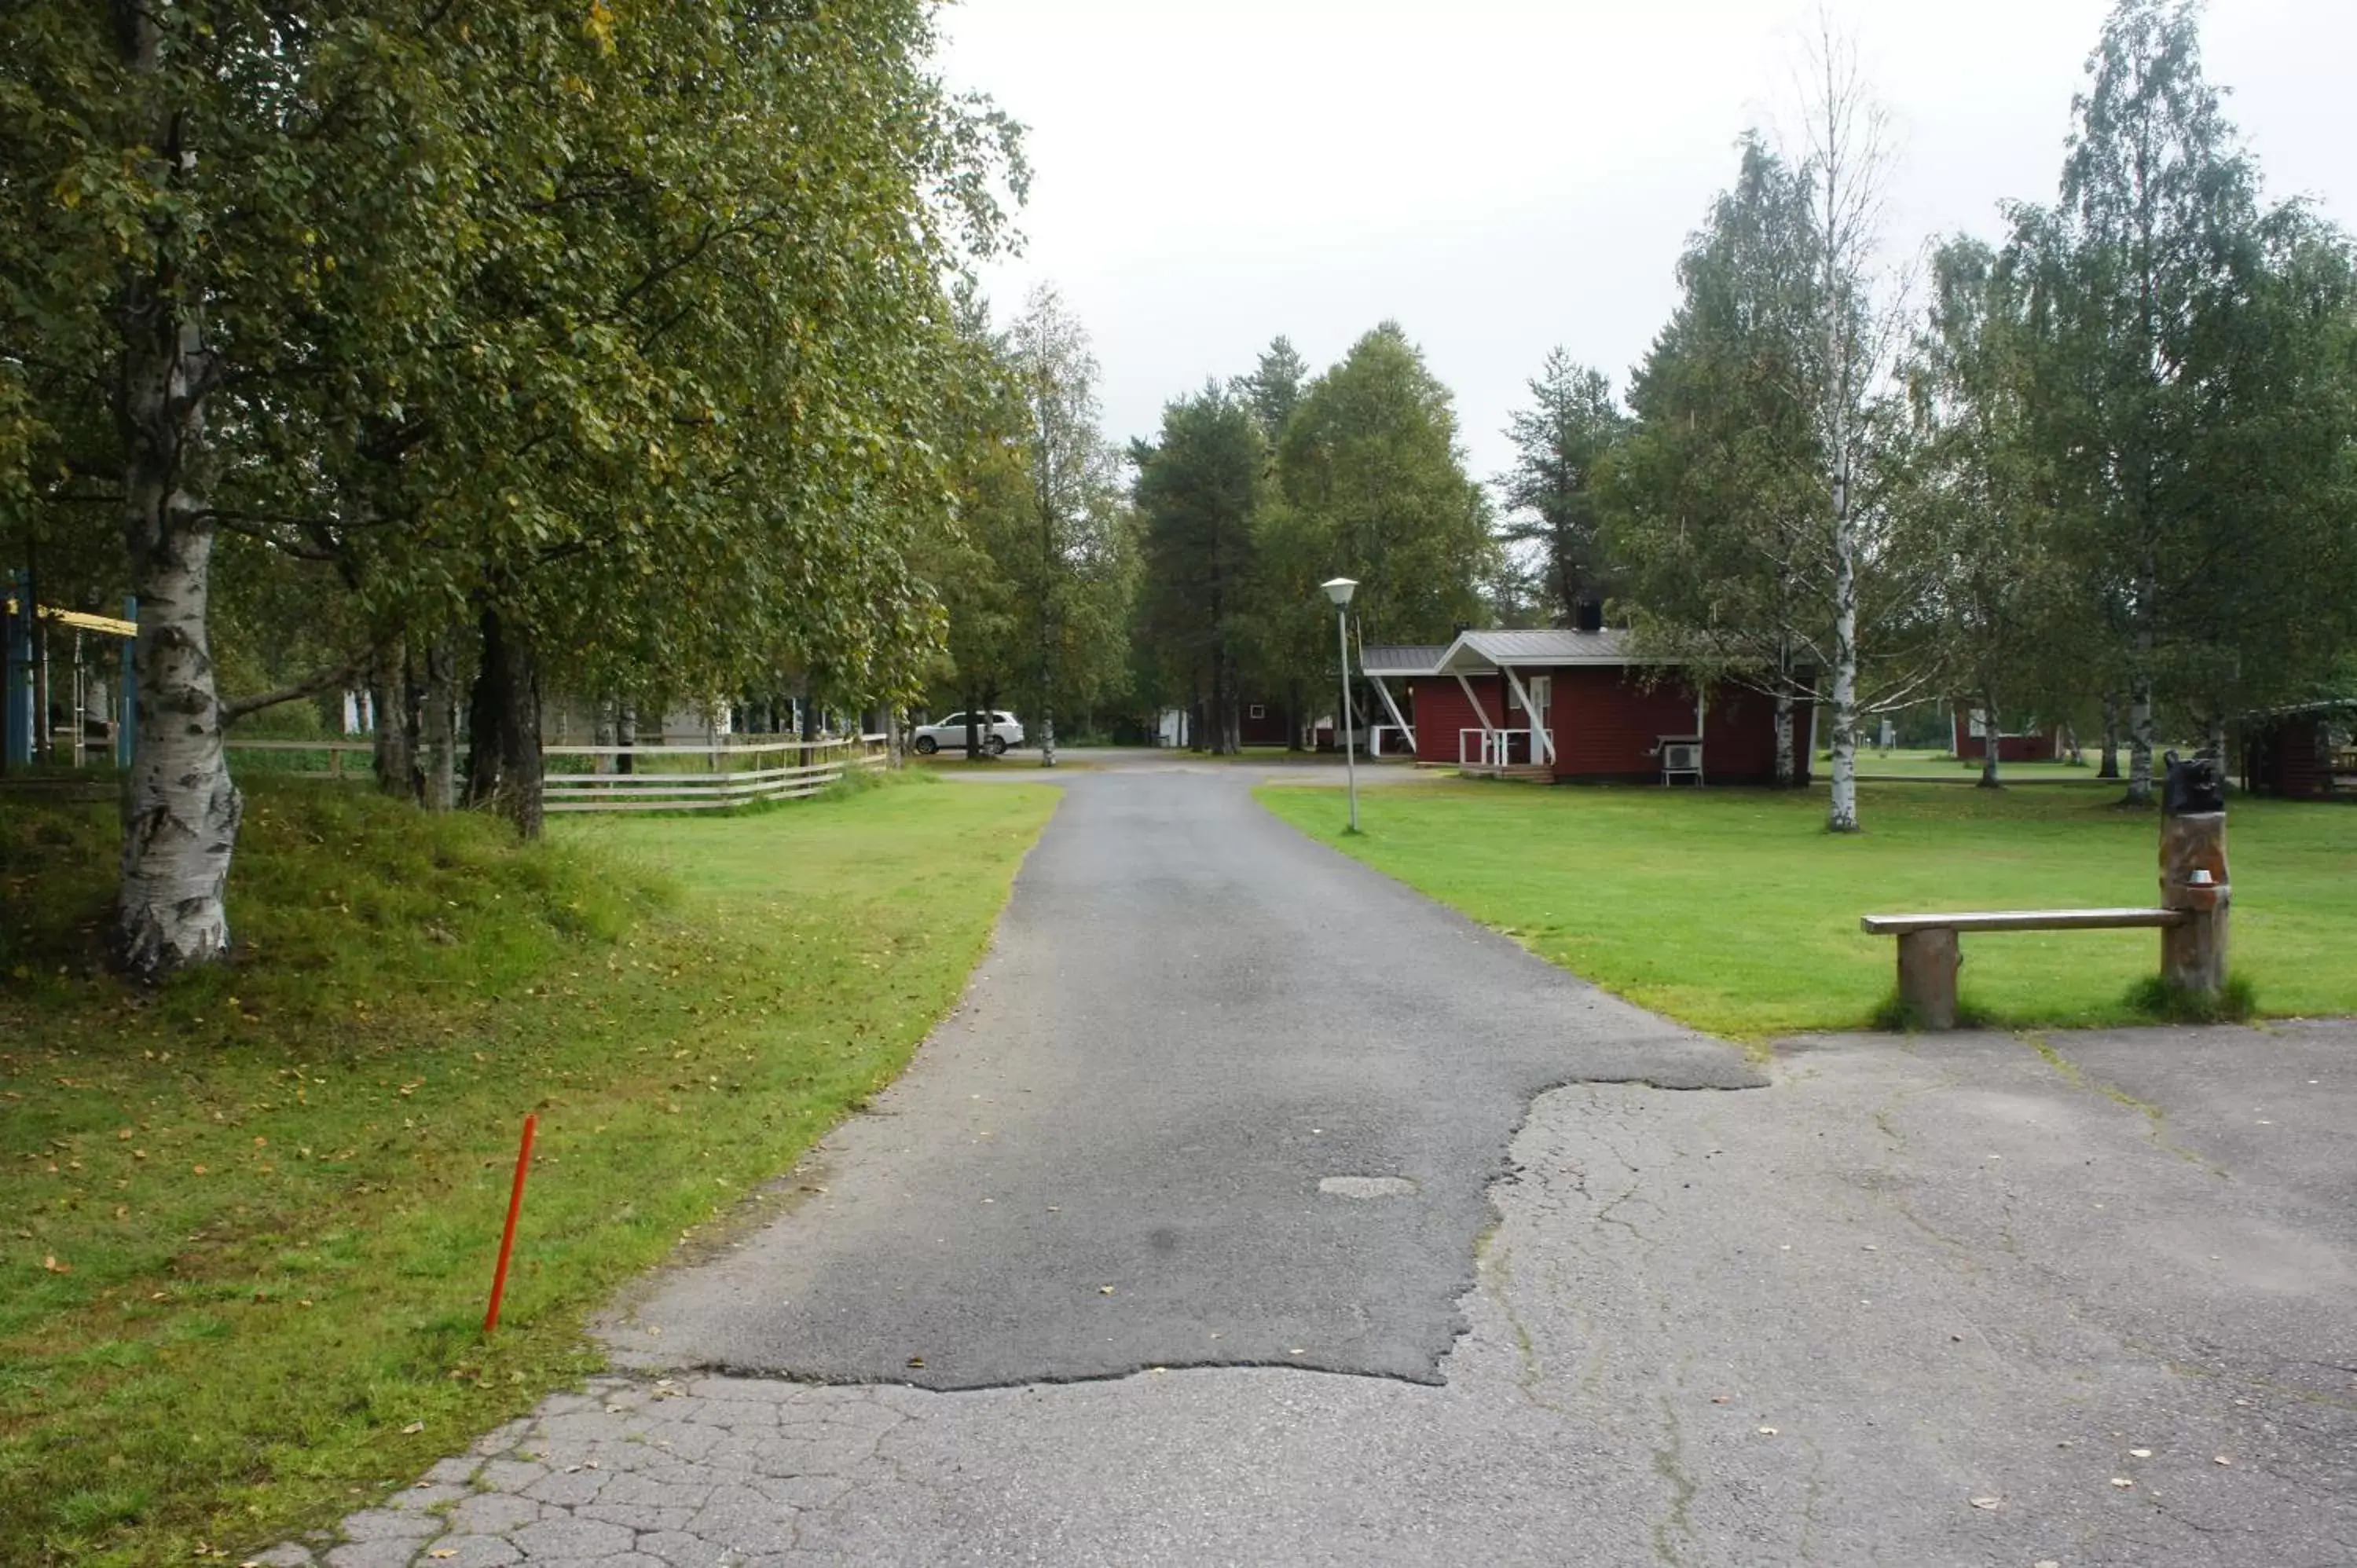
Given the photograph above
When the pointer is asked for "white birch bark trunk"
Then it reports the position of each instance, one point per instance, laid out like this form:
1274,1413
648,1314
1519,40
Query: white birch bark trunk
1841,810
180,808
2140,738
1841,813
1786,773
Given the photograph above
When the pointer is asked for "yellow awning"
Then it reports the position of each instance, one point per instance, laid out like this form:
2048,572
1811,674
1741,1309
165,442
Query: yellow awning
109,625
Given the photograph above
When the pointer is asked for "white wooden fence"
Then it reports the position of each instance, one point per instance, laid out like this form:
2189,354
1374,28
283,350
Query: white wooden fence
733,772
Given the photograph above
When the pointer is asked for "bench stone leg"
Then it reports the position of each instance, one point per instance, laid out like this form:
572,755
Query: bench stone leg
1928,961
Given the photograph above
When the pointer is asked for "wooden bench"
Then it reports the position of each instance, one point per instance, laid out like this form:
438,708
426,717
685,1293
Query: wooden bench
1929,958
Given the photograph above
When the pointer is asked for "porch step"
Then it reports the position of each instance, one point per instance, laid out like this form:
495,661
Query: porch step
1524,770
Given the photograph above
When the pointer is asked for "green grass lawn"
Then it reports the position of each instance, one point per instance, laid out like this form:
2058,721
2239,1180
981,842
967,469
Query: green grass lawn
1939,765
1733,911
251,1221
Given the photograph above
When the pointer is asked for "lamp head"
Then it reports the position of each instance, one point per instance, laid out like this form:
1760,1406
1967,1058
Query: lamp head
1339,590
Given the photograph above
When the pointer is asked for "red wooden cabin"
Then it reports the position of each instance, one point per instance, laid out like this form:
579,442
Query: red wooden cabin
1574,706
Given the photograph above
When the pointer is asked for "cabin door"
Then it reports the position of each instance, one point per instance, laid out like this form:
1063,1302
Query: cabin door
1542,690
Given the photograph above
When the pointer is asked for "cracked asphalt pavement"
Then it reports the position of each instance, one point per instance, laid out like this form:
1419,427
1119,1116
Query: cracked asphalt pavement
1974,1299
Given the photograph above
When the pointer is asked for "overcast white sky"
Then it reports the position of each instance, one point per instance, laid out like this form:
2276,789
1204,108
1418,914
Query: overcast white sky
1504,176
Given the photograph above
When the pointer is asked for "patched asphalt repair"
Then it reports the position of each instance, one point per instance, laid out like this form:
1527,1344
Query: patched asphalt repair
1116,1154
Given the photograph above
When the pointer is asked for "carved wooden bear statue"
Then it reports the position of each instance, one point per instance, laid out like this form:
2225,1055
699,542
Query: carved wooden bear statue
2192,789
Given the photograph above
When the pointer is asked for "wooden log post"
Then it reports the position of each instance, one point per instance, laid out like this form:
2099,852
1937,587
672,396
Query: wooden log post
2193,879
1928,961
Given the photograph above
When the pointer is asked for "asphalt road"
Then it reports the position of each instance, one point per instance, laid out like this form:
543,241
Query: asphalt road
1975,1300
1218,1097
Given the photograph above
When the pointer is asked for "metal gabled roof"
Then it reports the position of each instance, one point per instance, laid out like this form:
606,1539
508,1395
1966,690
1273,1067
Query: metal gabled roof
1481,651
1404,659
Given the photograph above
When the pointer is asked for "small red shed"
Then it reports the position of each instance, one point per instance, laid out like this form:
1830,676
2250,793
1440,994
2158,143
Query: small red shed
1574,706
1968,733
2303,752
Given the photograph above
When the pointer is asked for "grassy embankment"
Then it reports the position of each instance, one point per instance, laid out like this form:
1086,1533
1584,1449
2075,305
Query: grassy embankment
1733,911
249,1220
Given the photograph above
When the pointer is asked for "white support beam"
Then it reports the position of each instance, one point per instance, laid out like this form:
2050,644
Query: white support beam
1540,734
1478,711
1384,692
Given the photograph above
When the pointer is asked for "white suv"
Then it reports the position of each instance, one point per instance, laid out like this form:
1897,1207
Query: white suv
997,732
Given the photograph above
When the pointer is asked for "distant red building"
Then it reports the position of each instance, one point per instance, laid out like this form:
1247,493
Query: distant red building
1574,706
1967,728
2305,752
1261,721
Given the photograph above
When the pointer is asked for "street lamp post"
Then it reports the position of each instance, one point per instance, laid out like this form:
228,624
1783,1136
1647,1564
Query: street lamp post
1339,590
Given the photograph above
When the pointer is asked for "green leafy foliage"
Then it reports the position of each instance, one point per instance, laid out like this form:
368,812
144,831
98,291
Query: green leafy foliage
1369,460
1714,512
1074,566
2193,395
612,334
1200,492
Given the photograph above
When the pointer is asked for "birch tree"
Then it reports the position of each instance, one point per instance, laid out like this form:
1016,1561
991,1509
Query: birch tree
2194,394
1751,506
180,807
1074,572
2149,173
1981,490
1847,164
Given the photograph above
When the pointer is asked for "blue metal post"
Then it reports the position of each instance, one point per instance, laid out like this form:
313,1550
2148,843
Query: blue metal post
126,717
17,676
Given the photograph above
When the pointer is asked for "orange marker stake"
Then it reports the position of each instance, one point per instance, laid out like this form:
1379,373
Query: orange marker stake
507,1240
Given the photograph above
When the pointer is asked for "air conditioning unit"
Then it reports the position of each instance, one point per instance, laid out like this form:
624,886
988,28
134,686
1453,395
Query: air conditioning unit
1680,759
